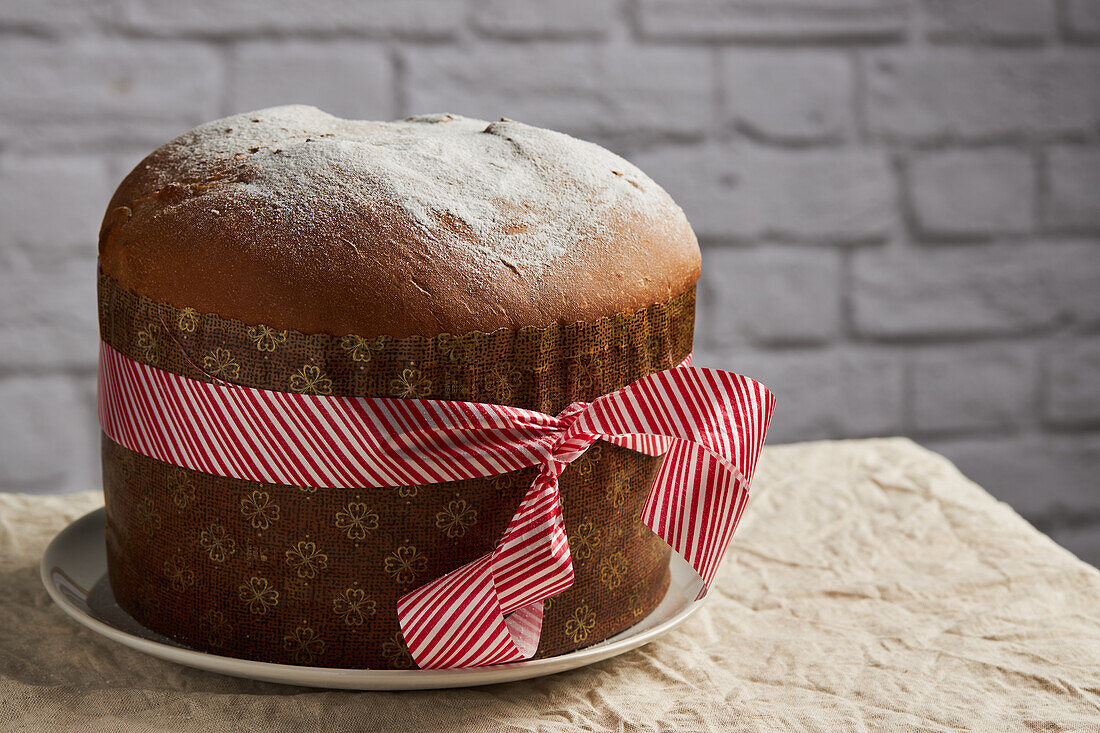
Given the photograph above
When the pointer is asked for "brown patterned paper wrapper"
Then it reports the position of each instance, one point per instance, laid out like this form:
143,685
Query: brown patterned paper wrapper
301,575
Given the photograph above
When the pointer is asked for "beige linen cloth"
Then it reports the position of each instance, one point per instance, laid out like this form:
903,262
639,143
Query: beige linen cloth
870,587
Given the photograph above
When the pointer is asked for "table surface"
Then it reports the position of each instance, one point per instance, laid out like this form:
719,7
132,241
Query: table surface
870,586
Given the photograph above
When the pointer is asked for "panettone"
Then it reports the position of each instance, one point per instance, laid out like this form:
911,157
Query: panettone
437,257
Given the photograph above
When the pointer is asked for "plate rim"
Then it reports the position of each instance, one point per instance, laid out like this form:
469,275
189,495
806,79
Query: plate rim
335,677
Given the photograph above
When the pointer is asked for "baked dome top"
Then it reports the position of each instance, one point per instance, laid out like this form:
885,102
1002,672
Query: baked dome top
297,219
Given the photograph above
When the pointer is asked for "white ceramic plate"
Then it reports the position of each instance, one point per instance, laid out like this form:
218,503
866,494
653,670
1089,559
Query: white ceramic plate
74,570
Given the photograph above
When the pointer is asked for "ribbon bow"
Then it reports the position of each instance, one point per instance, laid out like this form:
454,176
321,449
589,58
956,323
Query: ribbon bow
709,424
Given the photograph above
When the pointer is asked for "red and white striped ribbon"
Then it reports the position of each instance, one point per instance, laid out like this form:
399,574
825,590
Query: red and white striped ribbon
709,424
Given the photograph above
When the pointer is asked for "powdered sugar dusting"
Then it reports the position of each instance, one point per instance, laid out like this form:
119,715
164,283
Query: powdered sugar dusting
522,197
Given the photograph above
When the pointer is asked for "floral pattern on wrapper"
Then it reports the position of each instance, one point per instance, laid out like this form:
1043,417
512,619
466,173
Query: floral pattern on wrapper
297,575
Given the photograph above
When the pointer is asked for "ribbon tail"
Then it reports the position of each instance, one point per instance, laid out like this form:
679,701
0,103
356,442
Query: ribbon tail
490,610
695,506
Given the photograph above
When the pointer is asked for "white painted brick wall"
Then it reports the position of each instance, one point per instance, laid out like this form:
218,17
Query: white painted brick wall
744,192
899,200
780,21
527,19
414,19
974,387
771,296
975,291
1029,472
582,88
966,94
840,392
963,193
1082,20
1070,203
1073,371
788,96
352,79
82,93
967,21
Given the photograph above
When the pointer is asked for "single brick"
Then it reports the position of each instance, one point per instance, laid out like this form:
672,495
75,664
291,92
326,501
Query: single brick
102,90
50,316
976,94
989,20
772,295
1072,383
1041,476
824,393
778,20
578,88
412,18
535,19
788,96
960,193
978,289
348,79
972,387
667,90
1082,20
1073,194
49,441
51,206
804,195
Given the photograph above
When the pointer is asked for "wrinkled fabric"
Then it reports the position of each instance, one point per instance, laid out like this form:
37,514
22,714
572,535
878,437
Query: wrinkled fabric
870,587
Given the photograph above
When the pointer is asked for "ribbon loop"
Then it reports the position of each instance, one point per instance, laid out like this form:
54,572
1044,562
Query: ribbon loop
461,619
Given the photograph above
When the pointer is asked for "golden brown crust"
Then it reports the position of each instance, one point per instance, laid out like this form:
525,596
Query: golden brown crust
341,234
